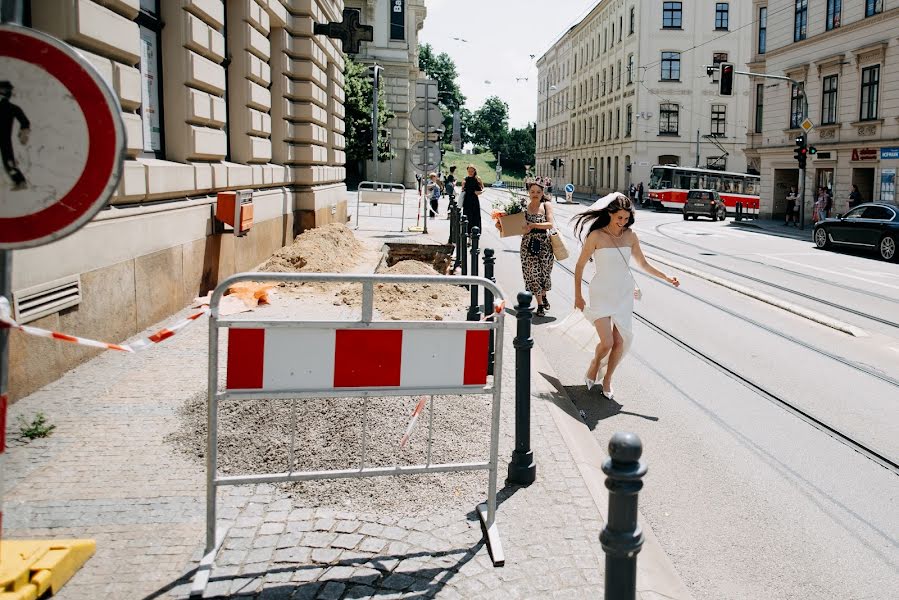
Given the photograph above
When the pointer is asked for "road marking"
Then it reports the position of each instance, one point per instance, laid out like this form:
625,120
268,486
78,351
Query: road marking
837,273
881,273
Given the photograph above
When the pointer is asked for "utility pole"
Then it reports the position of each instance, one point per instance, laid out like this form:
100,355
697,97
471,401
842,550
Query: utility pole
376,84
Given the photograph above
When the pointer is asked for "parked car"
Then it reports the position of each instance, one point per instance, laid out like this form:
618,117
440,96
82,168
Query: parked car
704,203
871,226
498,184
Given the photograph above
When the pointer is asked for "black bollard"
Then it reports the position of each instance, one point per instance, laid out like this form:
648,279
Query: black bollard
463,245
474,309
451,215
522,468
622,538
738,207
489,261
457,233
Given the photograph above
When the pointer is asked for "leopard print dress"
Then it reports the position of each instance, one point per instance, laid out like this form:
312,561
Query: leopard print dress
536,267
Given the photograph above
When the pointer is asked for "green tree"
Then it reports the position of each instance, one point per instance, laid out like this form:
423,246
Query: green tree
520,147
442,69
490,124
358,89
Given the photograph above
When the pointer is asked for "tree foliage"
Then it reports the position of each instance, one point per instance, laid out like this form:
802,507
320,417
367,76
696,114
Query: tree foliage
490,124
358,89
442,69
519,147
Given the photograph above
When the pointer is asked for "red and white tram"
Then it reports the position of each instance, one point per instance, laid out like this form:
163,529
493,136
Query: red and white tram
668,187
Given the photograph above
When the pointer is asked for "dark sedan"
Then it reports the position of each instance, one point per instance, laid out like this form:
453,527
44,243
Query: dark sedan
873,226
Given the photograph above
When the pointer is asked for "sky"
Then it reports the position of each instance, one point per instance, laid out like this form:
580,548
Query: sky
500,37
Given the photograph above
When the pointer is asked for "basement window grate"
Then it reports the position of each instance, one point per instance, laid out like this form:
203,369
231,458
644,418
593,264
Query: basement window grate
45,299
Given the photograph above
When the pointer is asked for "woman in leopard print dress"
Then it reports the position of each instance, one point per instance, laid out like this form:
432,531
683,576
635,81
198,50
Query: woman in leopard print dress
536,249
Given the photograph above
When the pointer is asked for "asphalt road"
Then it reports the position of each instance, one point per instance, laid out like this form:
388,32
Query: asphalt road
748,490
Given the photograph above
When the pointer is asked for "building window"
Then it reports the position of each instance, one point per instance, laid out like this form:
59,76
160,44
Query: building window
873,7
672,14
800,21
796,105
620,27
628,121
605,40
632,22
397,20
722,15
829,101
759,104
150,25
630,69
870,90
719,120
763,29
834,8
617,122
612,43
618,82
668,119
717,59
604,82
670,66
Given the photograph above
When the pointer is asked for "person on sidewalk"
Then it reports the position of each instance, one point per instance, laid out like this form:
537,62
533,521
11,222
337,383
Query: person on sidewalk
536,251
640,194
828,202
611,243
449,184
855,197
791,215
472,187
434,191
820,204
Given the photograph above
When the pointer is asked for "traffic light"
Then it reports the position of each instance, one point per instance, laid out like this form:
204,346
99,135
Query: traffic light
374,72
726,80
801,151
561,163
812,150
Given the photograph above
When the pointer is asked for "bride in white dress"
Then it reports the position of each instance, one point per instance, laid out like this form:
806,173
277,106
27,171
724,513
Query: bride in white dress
611,244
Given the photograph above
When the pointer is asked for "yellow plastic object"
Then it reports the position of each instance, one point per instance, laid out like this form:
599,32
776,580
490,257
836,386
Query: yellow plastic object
28,568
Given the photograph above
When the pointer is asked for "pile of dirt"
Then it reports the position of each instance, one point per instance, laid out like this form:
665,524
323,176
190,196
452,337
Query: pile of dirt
411,302
255,437
329,249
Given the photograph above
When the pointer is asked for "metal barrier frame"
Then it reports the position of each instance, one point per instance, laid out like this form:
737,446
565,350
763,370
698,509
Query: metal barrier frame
486,511
380,186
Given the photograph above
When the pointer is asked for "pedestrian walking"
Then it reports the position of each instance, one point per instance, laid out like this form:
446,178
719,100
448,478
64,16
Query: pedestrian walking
791,216
10,112
611,243
828,202
449,183
855,197
472,187
434,190
536,251
820,204
640,194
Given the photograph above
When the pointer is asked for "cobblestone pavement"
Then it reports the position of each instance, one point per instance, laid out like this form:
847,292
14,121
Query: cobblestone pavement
106,473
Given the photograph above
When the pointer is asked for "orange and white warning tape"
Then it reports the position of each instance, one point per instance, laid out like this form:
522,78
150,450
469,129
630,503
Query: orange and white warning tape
418,408
7,322
498,307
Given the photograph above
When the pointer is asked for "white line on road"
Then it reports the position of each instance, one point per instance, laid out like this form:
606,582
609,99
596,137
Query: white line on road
880,273
837,273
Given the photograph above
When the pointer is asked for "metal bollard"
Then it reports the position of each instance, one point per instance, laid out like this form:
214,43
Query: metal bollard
463,245
622,537
451,213
739,211
474,310
522,468
489,262
457,233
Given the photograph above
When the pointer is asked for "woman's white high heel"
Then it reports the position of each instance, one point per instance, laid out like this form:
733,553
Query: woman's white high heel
610,394
589,383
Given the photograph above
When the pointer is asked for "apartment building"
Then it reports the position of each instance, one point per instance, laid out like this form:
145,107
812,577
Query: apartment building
841,54
215,95
635,92
395,47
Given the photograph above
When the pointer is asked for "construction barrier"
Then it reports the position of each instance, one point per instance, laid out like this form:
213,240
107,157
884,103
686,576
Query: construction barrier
299,359
380,193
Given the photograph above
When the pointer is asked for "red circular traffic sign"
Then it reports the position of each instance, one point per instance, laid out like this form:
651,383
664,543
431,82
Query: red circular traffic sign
62,139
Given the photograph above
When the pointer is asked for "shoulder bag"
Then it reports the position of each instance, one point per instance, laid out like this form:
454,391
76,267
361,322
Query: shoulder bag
558,244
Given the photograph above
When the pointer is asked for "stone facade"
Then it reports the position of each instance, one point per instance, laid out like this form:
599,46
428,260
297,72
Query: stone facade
845,57
612,103
228,95
397,51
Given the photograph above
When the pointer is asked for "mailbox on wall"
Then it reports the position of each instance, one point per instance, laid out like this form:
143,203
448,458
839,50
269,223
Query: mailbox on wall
234,209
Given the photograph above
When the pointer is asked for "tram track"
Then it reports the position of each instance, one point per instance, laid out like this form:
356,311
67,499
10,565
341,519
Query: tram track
780,401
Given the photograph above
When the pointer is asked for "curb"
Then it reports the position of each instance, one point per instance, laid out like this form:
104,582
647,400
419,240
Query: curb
656,575
790,307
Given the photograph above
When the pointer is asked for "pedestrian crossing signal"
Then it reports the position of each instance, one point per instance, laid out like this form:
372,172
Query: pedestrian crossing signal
726,80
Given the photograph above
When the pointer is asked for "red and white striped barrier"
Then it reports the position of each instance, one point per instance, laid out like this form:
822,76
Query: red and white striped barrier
6,321
305,358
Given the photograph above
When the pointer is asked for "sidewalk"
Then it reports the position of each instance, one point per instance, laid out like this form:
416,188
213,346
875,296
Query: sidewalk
774,227
108,472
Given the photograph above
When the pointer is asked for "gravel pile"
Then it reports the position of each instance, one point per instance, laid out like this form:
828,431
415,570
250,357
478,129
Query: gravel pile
255,438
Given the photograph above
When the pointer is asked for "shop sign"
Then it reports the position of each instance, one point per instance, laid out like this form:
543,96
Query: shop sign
864,154
889,153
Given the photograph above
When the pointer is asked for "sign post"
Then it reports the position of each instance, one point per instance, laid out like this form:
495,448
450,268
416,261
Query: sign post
62,157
